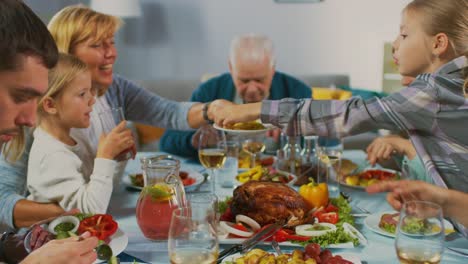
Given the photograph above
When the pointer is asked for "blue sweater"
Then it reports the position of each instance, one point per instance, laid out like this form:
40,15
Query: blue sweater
222,87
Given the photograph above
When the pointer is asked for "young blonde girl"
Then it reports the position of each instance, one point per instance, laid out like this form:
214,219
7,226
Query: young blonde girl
432,46
56,172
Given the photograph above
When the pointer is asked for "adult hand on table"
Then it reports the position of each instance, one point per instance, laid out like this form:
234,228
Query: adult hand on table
73,250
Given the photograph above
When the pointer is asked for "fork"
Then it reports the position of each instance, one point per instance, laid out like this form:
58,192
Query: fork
276,247
205,179
362,209
464,254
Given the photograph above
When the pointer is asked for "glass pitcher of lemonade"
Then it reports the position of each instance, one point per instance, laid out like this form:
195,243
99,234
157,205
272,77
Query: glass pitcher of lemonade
162,193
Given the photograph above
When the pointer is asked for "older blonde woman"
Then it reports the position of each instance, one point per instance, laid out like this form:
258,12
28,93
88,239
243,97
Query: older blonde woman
89,35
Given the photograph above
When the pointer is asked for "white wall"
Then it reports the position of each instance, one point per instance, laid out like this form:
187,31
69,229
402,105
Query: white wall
183,39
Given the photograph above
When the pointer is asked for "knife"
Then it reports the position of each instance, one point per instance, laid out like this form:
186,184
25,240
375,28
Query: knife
261,236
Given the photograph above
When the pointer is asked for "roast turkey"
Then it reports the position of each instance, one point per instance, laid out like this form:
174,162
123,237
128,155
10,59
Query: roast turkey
270,202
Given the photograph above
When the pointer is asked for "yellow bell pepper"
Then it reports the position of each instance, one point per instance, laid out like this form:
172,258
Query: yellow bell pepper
316,195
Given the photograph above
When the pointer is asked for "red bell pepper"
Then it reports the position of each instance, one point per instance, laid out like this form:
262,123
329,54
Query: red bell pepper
101,226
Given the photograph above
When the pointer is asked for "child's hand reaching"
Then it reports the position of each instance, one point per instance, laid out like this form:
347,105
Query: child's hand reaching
116,142
383,147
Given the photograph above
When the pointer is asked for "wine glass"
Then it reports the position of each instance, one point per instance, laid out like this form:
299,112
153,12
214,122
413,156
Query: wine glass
192,236
253,145
329,151
420,233
212,151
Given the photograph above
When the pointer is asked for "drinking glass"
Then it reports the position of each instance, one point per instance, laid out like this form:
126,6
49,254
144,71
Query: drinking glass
329,151
229,172
192,236
420,233
254,144
110,118
212,151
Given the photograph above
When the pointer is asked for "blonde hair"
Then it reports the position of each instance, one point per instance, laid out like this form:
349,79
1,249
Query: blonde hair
449,17
251,47
75,24
65,71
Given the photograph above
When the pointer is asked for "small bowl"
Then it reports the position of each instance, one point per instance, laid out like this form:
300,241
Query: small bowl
64,219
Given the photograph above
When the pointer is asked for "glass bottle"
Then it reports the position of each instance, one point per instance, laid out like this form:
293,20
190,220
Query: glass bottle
309,158
162,193
292,153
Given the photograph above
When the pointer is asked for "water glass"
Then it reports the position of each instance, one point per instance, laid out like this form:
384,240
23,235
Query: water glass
420,233
228,173
192,236
110,118
329,152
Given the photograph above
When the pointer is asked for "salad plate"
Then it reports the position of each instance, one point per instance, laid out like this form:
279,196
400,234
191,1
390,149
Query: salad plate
373,220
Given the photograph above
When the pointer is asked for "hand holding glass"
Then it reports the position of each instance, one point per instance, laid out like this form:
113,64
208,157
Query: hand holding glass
110,118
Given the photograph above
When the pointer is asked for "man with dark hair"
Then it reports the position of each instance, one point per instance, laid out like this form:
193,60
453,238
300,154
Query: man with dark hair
27,52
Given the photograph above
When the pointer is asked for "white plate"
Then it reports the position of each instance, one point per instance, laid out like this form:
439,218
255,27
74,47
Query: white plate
372,222
196,175
245,132
350,257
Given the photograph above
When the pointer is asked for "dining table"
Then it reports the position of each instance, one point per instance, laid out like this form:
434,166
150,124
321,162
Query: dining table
379,248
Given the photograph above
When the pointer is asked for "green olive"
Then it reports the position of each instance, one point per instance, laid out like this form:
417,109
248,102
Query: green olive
104,252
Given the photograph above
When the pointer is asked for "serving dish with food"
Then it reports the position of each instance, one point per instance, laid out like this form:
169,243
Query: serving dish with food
245,128
260,173
257,204
311,254
366,177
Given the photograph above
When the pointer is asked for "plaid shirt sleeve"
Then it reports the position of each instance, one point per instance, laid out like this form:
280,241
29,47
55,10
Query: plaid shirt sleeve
336,118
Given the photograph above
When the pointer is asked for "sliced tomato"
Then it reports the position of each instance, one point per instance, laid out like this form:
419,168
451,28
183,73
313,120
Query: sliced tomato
331,218
227,216
188,181
331,208
101,226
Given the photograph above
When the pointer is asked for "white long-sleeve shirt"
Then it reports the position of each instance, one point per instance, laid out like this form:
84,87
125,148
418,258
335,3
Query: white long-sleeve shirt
57,174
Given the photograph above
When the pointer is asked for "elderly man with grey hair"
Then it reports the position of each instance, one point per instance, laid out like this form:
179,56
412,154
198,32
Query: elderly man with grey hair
252,78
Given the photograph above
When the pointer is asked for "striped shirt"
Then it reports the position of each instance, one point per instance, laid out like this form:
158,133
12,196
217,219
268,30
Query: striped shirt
433,110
